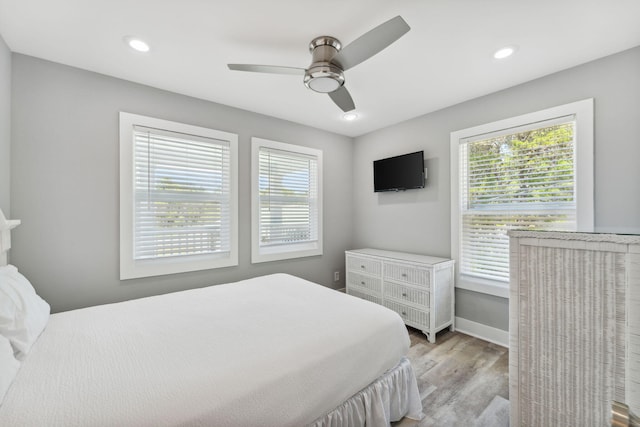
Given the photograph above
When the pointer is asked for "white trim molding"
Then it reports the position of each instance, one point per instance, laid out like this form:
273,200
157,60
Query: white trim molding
483,332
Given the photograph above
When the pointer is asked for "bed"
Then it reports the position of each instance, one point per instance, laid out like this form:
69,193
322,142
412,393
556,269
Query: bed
275,350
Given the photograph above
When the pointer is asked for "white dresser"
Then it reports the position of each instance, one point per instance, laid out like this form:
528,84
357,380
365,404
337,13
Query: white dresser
417,287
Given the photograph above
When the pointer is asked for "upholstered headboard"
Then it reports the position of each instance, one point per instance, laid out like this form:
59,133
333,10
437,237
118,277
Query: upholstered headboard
5,236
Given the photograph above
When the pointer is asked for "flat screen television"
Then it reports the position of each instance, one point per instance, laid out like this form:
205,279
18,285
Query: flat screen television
398,173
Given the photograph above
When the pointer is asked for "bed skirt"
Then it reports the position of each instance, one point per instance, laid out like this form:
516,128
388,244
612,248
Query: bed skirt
390,398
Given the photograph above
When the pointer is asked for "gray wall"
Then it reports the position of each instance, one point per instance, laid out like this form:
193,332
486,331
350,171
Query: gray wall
64,175
419,220
5,127
65,184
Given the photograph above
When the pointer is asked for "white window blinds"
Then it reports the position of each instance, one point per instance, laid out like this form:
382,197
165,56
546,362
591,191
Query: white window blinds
288,197
522,179
182,194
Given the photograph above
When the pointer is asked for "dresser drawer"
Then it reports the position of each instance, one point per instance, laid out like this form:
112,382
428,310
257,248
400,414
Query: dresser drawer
364,265
406,294
364,296
410,316
407,273
372,283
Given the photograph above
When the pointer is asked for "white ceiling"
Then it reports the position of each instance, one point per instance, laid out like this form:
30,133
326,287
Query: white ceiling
445,59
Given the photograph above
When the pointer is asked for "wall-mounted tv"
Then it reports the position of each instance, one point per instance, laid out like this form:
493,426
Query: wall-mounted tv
399,173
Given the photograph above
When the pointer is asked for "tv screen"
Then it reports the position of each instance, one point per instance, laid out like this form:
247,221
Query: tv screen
399,173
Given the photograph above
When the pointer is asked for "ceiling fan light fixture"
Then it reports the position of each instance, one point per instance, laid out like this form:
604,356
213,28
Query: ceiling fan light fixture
324,78
323,84
350,116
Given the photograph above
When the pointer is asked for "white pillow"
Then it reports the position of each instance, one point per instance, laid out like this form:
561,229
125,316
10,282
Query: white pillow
8,367
23,314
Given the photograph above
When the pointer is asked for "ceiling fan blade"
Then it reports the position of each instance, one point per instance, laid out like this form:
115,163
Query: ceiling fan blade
273,69
343,99
369,44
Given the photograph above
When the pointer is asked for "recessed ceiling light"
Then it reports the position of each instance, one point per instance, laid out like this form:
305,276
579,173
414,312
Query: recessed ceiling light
350,116
136,44
505,52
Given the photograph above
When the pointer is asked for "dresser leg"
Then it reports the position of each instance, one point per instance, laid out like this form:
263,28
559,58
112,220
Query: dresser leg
431,337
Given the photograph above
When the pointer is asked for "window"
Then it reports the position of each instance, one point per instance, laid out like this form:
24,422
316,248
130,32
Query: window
528,172
287,201
178,197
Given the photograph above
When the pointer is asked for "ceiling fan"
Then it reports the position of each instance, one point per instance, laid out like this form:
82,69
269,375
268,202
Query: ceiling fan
329,60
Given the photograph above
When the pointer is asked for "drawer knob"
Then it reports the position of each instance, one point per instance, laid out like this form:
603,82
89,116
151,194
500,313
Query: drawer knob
404,274
362,283
362,266
404,294
404,313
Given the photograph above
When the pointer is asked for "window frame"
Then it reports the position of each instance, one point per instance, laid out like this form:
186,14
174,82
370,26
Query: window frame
584,177
295,250
130,268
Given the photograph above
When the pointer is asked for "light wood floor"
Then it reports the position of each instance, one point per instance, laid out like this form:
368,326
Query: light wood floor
459,377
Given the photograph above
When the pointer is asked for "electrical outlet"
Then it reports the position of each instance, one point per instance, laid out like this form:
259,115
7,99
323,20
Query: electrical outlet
336,276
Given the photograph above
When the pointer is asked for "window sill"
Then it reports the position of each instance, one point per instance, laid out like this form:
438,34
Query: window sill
279,253
135,269
498,289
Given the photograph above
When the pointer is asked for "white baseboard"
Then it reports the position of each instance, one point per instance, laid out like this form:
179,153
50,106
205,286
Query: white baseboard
484,332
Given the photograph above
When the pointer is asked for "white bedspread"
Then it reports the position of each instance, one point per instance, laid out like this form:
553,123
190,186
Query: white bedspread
271,351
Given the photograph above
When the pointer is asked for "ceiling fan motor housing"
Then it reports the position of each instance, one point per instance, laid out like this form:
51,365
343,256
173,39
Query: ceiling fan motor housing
322,75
